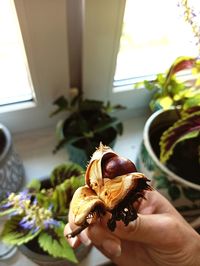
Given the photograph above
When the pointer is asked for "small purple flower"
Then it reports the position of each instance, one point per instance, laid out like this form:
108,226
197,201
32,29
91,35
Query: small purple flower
27,223
7,205
47,223
24,195
35,201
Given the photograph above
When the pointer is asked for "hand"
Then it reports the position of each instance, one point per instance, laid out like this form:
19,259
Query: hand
159,236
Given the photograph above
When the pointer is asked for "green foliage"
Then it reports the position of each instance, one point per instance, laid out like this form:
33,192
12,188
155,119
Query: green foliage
185,128
65,171
15,235
54,243
182,92
87,122
40,211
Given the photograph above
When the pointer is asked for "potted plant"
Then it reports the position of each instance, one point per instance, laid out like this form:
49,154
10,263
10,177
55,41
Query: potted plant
37,215
87,123
11,176
170,151
11,167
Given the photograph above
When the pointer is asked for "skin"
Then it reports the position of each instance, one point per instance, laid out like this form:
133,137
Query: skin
159,236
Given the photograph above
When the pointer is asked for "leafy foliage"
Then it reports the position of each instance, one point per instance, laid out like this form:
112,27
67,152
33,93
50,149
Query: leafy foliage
13,234
182,92
39,212
186,128
54,243
88,122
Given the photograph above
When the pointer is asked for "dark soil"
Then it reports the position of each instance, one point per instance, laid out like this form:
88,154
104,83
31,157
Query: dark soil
34,246
184,161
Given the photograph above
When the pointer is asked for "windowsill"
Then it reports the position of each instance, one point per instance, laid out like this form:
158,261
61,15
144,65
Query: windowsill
35,149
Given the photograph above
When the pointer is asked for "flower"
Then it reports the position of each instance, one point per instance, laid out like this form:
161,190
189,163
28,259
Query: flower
38,213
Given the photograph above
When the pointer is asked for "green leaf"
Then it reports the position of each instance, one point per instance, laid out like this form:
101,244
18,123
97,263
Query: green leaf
92,105
35,184
66,140
14,234
161,182
62,105
54,243
65,171
63,193
185,128
112,122
166,102
174,192
192,101
191,194
4,212
181,63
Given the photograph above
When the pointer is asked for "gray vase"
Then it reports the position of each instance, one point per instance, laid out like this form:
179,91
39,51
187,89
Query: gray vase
11,168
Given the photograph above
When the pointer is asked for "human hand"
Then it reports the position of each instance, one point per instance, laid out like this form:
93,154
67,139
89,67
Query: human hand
159,236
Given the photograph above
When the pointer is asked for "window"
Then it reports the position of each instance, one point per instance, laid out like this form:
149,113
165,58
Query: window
44,34
103,27
13,62
154,34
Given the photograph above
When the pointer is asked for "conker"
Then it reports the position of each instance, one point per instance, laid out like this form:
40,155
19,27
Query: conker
116,166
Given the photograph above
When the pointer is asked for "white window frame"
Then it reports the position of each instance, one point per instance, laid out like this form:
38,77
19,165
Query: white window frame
102,32
44,30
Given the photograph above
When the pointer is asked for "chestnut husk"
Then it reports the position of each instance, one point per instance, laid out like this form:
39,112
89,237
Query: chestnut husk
112,184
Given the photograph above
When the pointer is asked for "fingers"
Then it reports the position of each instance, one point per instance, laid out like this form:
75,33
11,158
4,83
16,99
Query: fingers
104,240
73,241
158,230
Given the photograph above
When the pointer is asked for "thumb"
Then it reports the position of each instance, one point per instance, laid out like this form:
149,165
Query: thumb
149,229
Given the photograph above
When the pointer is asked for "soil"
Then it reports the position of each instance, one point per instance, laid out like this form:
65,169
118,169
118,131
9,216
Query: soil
34,246
184,161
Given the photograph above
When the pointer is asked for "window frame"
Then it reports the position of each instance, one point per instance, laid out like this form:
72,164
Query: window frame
45,36
102,32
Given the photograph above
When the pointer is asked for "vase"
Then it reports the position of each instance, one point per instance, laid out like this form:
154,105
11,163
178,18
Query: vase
183,194
11,177
11,167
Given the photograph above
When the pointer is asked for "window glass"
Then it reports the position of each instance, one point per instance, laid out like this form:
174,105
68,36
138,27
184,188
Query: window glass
15,81
154,34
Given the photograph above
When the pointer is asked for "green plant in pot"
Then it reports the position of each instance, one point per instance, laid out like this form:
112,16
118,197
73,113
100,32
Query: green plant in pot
87,123
170,153
37,215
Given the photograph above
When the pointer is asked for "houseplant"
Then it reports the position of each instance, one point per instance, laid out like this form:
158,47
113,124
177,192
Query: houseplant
87,123
37,215
12,175
170,152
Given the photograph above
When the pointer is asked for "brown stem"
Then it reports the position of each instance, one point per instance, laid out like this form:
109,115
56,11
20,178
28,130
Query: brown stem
77,231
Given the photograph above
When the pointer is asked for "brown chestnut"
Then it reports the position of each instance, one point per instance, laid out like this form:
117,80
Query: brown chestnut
116,166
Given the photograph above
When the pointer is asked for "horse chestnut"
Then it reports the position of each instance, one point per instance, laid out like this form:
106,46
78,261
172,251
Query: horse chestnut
116,166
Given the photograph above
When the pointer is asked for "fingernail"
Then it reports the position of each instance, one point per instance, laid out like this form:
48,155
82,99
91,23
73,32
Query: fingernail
112,247
84,238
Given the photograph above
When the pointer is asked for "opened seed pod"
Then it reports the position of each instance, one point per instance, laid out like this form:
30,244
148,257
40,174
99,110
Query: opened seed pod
112,185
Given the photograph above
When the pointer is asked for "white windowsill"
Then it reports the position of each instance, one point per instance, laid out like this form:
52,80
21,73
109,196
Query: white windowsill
35,149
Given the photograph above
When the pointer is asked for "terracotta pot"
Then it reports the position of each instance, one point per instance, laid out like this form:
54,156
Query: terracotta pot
183,194
11,167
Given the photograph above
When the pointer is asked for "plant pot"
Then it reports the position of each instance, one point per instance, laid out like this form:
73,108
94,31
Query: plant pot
79,155
47,260
11,167
182,193
77,151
